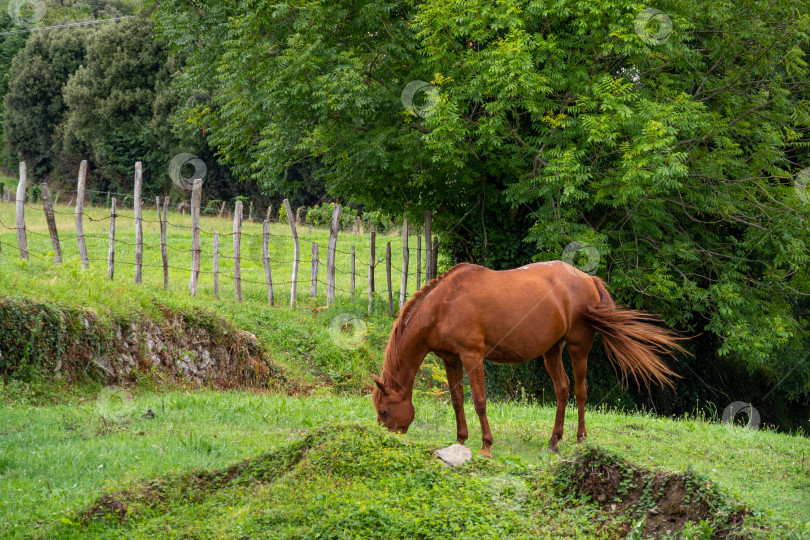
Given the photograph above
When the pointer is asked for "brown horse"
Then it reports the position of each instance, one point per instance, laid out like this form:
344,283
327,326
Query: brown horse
512,316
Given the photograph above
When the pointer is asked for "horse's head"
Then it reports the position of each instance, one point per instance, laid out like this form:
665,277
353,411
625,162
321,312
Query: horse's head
394,409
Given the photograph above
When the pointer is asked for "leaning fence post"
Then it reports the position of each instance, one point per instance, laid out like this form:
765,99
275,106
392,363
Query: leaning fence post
418,261
163,252
352,290
221,209
216,265
237,238
403,289
296,250
428,240
330,255
388,277
314,292
22,239
79,211
47,205
268,276
138,223
371,265
196,196
111,253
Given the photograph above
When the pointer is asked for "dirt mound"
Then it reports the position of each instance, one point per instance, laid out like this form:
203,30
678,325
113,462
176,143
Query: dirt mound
663,502
195,346
195,485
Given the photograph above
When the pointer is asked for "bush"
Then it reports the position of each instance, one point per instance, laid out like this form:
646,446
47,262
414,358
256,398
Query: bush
321,216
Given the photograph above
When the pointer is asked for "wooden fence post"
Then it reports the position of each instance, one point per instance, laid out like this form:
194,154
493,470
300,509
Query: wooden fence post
157,205
237,238
56,199
163,251
22,239
250,211
388,278
221,209
111,252
428,245
434,266
268,276
356,227
196,255
296,250
47,205
138,223
314,292
269,213
418,261
403,288
372,263
216,265
298,215
79,211
352,289
330,256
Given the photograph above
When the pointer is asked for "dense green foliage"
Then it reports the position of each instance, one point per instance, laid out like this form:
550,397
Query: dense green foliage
551,123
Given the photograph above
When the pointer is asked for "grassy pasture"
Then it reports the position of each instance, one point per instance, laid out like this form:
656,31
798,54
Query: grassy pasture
57,459
96,229
58,453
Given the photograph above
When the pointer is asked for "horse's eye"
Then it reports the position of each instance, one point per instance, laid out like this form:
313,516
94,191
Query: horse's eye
383,413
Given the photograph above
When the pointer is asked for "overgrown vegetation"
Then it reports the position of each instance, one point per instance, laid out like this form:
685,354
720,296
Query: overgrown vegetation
348,479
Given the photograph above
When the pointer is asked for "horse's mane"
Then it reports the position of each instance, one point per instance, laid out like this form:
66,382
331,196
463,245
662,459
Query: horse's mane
391,362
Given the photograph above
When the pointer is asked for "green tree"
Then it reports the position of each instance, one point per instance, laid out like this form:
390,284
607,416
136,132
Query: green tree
10,45
672,150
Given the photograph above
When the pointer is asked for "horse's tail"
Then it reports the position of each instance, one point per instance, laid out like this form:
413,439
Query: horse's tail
632,341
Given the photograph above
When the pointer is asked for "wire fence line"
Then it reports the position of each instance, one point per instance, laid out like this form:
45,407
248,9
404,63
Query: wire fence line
157,254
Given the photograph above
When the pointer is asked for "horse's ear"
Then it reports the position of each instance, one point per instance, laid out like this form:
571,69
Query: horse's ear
379,383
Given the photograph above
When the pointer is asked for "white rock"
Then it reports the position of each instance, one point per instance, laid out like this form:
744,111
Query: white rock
454,455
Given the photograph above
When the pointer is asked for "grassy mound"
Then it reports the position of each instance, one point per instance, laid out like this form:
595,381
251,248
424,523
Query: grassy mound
654,502
358,481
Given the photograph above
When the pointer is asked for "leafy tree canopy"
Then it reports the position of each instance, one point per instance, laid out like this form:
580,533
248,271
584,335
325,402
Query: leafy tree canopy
672,149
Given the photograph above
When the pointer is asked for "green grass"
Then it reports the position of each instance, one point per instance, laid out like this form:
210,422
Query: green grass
58,453
300,340
56,460
96,230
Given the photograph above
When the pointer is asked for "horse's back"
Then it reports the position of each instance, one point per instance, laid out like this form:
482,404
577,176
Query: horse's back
514,314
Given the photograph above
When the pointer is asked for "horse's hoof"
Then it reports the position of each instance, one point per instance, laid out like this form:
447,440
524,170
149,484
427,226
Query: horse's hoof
486,453
580,440
552,448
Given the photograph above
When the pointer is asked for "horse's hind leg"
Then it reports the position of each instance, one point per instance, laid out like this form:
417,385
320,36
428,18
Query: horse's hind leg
455,379
554,366
578,347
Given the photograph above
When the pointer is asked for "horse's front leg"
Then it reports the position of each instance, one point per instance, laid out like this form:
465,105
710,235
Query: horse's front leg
474,364
455,379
